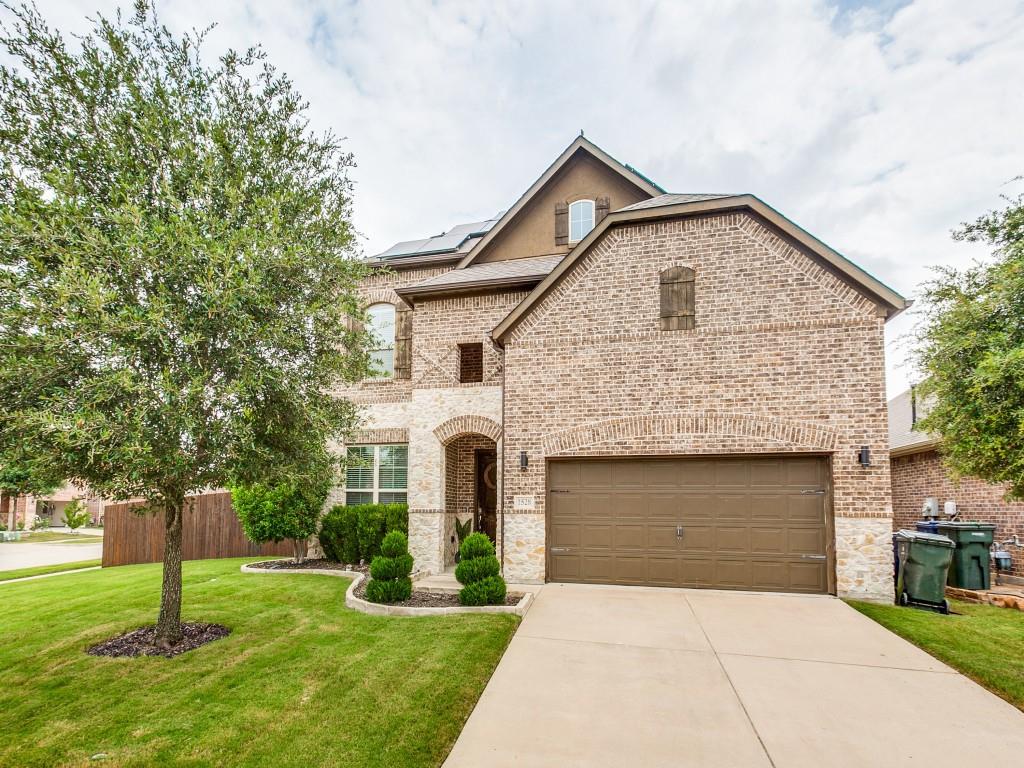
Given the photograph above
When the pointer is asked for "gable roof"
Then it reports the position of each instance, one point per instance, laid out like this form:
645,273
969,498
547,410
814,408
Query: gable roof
672,206
903,438
628,172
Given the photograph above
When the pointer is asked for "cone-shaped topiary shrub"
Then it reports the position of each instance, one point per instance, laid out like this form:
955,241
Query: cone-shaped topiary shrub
478,572
389,571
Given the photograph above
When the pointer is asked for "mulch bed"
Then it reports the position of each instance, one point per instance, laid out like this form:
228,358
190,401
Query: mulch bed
423,599
324,565
140,642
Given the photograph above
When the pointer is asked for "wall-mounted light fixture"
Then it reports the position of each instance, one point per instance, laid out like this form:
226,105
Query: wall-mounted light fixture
864,456
523,461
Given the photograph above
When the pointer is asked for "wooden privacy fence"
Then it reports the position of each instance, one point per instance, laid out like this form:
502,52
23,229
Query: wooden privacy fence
210,529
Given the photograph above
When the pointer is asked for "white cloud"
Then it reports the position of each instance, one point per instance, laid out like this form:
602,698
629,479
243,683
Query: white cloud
877,127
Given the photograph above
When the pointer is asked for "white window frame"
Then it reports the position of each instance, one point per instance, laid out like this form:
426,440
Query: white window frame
593,216
385,371
375,490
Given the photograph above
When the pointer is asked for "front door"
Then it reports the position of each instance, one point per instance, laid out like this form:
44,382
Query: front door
487,492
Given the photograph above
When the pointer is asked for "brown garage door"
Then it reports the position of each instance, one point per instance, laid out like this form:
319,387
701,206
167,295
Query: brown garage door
729,523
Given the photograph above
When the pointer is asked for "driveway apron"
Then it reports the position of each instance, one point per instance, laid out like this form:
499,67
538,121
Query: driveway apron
613,676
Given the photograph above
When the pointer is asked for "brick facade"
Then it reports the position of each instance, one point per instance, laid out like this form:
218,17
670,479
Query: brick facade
920,475
784,358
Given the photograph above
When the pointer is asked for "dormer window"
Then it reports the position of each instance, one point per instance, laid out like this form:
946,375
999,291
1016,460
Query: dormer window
581,219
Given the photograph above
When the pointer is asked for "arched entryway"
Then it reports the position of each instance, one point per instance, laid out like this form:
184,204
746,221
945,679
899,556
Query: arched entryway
471,479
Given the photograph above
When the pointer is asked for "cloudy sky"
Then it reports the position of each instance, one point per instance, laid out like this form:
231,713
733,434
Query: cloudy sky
879,127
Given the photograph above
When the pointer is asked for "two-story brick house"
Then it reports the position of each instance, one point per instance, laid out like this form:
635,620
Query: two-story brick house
626,386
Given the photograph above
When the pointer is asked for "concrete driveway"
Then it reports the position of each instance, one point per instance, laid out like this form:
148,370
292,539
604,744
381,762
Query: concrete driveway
624,676
25,554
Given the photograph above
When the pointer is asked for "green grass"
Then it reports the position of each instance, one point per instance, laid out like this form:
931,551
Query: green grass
985,643
39,570
301,681
42,537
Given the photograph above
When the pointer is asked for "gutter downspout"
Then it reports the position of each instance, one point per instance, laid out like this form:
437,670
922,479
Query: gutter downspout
501,480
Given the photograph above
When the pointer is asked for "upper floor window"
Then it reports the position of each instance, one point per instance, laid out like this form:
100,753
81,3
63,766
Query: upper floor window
581,219
382,327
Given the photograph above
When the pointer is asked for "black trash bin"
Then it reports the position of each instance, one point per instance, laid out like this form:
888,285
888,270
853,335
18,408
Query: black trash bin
970,567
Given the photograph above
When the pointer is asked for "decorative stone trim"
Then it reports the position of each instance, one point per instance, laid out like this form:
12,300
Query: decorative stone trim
465,425
380,609
795,433
381,436
379,296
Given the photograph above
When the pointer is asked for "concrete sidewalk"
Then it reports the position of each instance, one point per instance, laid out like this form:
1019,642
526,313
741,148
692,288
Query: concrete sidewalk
614,676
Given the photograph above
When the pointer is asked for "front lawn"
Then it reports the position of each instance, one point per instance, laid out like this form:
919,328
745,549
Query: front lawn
985,643
39,570
300,681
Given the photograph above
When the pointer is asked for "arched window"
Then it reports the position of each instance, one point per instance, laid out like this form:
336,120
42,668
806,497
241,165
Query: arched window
581,219
382,327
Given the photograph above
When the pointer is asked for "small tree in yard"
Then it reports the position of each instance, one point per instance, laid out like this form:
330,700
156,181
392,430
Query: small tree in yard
178,287
479,572
389,571
75,515
280,512
970,347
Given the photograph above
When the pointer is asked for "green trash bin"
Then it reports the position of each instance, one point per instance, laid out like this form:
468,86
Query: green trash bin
922,563
970,569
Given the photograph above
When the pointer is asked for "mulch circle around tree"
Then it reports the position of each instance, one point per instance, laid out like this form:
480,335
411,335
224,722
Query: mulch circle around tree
323,565
424,599
140,642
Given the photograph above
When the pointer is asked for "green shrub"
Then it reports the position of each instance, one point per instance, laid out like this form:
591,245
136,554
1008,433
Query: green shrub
338,535
75,515
478,571
468,571
353,534
389,571
279,512
488,591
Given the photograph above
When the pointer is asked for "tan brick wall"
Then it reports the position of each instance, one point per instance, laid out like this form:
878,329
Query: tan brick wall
784,357
439,326
920,475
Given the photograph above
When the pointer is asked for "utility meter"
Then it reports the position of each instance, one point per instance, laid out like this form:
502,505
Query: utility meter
930,508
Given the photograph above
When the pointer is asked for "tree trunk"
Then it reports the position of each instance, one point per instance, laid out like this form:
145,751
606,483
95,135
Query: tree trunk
168,626
300,549
8,505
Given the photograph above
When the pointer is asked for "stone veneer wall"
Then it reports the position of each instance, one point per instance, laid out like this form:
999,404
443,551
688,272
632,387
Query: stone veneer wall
920,475
784,357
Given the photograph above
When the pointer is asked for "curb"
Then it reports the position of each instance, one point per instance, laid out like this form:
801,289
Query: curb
380,609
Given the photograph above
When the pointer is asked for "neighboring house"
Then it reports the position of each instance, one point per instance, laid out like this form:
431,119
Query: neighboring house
631,387
51,506
918,473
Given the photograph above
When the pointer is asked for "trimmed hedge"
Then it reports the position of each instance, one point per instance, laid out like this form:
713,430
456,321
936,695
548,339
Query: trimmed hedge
478,571
354,534
389,571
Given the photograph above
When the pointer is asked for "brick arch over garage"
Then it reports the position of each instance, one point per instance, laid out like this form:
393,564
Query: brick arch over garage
782,432
465,425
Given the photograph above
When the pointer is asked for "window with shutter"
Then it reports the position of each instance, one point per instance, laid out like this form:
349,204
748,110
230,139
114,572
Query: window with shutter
601,206
403,343
677,299
561,224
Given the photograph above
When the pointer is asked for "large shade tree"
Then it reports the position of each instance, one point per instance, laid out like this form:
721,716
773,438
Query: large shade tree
970,348
177,274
